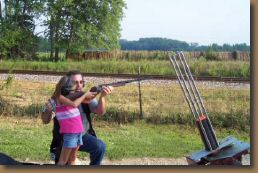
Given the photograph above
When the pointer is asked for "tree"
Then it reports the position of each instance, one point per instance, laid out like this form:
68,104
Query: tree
17,39
43,45
154,43
72,25
0,11
227,47
176,45
76,25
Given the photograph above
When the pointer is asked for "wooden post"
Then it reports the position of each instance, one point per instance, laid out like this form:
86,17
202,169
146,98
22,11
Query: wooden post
140,94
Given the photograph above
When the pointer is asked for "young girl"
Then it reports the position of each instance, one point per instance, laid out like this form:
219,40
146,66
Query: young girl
69,118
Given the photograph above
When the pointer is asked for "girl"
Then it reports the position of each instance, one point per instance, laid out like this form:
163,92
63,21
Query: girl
69,118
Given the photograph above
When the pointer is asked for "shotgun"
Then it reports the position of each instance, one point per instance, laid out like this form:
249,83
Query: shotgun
98,88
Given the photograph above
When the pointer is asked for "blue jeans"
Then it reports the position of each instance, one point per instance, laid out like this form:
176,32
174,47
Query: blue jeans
95,147
72,140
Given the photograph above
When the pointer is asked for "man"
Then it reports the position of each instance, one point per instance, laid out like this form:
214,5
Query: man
91,143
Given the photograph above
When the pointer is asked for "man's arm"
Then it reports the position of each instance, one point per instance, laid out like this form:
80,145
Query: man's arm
101,108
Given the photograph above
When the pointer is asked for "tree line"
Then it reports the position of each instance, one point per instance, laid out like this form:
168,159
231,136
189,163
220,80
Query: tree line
165,44
72,26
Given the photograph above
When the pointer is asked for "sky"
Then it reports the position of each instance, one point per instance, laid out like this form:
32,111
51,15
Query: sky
194,21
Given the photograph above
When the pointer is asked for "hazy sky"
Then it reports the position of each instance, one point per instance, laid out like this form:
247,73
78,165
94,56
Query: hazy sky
201,21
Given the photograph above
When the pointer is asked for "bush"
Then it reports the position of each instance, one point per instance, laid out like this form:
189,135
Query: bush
211,55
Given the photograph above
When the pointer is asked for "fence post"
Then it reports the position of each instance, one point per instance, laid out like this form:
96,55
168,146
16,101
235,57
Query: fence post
140,93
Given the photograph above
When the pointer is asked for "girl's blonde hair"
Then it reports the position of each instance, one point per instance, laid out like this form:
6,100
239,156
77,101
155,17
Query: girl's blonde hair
62,82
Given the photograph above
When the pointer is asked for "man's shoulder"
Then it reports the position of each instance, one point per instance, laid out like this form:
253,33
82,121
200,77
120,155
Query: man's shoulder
93,101
91,106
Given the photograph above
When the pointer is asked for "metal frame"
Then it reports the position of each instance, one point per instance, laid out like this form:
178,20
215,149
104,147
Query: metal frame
229,151
194,99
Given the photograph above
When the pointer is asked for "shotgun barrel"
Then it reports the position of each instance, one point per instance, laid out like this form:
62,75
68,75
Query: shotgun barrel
99,88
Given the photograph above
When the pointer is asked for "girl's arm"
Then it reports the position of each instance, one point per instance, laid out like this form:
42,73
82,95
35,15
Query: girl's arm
88,95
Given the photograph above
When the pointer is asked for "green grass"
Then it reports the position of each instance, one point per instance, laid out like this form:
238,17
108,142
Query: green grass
27,139
167,130
199,67
24,139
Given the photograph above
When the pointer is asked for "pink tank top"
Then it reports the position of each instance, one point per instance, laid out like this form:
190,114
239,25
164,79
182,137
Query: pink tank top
69,119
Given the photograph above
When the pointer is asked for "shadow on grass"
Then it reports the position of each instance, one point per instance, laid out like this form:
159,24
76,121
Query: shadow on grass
7,108
232,119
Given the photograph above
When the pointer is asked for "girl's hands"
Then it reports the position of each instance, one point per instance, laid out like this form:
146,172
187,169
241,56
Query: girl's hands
89,96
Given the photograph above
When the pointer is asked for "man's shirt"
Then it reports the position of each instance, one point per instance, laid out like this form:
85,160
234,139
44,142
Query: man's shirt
93,106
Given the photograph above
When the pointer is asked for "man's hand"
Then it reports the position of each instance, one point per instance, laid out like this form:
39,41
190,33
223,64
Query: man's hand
106,90
101,108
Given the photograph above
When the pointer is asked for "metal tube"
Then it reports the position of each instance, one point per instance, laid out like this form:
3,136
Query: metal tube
181,85
198,94
190,84
192,81
191,100
185,85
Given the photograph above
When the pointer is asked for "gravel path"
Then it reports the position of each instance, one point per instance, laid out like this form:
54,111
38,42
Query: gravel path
102,80
155,161
145,161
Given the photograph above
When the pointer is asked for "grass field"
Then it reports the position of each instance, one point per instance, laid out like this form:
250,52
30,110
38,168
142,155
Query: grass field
162,104
200,67
167,129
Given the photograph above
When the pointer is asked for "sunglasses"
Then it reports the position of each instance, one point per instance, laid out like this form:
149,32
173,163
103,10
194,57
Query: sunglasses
78,82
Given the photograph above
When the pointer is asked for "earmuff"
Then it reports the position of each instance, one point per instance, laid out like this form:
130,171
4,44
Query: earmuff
66,88
83,82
